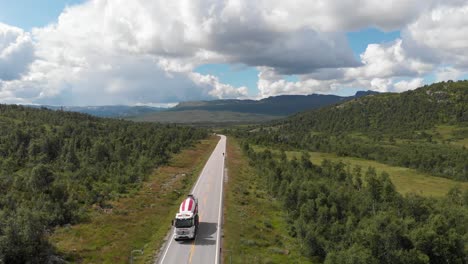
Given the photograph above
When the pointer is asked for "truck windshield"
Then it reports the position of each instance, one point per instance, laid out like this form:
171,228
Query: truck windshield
183,223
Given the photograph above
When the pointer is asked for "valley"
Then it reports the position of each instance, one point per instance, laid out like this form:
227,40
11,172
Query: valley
234,132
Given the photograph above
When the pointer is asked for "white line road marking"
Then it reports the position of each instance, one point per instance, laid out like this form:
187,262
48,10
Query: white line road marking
169,245
220,210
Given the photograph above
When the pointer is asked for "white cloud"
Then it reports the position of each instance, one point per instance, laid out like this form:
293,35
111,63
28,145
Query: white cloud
271,84
202,31
127,52
388,60
402,86
101,52
448,73
220,90
16,52
341,15
439,36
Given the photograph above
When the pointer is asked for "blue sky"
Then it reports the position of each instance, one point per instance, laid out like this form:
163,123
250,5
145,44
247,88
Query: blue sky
156,53
27,14
358,40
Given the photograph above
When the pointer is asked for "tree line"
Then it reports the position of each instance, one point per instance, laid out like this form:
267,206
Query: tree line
444,160
55,164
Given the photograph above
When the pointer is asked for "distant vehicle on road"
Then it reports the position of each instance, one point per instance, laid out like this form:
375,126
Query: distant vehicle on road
186,220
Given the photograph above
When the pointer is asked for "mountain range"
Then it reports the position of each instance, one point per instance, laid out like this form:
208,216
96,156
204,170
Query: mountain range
282,105
215,111
245,111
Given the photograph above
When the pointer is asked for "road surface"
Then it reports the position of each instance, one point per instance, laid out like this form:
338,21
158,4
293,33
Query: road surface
208,189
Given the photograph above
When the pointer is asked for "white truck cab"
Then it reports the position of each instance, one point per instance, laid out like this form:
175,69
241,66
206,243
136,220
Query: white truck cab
186,220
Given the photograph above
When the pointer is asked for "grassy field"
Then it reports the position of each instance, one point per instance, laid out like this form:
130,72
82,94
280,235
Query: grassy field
255,228
405,180
449,134
139,221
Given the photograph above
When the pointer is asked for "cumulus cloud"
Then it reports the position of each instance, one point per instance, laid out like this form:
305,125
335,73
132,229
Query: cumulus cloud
339,15
16,52
242,34
297,52
220,90
448,73
431,41
402,86
116,51
106,79
382,67
207,31
270,83
387,60
103,47
438,36
110,59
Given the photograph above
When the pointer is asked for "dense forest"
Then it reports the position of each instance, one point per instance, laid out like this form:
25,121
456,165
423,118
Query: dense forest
398,114
344,215
389,128
55,164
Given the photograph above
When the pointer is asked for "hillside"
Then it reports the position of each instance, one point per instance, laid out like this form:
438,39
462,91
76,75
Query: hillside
425,129
282,105
278,105
423,108
54,165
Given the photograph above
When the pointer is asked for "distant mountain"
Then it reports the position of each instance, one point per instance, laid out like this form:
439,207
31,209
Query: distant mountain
115,111
243,111
282,105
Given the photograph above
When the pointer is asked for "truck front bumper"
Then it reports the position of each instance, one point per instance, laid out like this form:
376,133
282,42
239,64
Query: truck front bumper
184,235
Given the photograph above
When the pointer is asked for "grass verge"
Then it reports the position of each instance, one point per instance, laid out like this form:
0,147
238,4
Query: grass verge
139,221
405,180
255,227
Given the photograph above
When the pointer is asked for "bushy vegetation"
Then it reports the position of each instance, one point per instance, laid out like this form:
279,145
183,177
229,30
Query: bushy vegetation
53,165
140,219
350,215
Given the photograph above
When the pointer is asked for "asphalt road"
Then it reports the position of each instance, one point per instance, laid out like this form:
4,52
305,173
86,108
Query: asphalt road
208,189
